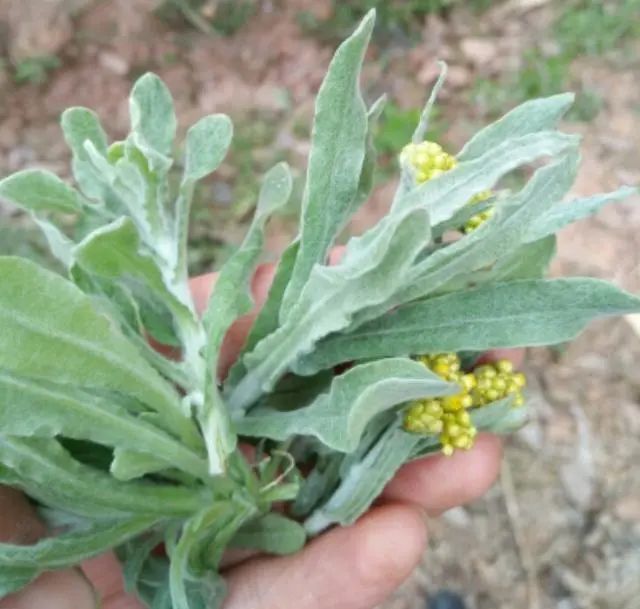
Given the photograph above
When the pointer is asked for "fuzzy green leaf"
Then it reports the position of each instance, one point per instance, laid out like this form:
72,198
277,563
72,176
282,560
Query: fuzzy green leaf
271,533
38,191
530,117
514,314
33,408
231,298
268,317
81,125
51,331
372,269
44,470
562,214
335,161
114,252
452,190
338,417
496,238
363,481
152,113
500,417
13,579
69,549
206,146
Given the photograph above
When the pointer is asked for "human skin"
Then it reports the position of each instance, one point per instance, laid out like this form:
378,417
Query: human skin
353,567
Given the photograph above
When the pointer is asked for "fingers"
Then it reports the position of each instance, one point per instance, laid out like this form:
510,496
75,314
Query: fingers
515,355
19,523
439,483
105,574
355,567
54,590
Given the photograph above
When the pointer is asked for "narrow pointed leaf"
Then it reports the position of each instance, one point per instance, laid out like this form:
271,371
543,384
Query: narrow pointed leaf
231,298
34,408
372,269
69,549
44,470
335,161
363,481
452,190
514,314
530,117
563,214
338,417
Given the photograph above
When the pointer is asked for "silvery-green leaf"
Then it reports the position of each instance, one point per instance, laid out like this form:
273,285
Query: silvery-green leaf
142,190
114,252
458,220
513,314
315,486
44,470
81,125
504,232
130,464
531,116
38,190
339,416
367,173
562,214
211,528
500,417
529,261
134,553
447,194
13,579
268,317
230,299
338,144
152,113
59,244
206,146
51,331
69,549
36,408
363,481
271,533
373,268
423,123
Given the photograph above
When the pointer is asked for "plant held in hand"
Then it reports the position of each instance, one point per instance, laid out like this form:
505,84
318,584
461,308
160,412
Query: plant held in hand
348,372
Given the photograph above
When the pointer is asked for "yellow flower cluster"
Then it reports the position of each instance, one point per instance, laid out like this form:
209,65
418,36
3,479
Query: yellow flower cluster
480,218
446,416
429,160
449,416
496,381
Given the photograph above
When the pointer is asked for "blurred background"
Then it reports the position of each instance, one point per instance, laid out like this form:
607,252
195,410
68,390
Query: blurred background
561,529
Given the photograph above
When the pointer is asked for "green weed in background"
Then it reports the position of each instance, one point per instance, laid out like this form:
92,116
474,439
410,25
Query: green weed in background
394,17
223,17
35,70
594,27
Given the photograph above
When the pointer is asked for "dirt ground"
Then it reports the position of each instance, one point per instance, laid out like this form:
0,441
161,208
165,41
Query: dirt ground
561,529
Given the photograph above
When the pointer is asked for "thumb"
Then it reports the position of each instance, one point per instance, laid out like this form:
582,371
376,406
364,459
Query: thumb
347,568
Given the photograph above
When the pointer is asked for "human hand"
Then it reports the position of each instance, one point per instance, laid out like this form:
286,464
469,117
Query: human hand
354,567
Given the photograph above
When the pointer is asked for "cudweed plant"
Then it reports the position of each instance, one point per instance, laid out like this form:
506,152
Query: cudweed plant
348,372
